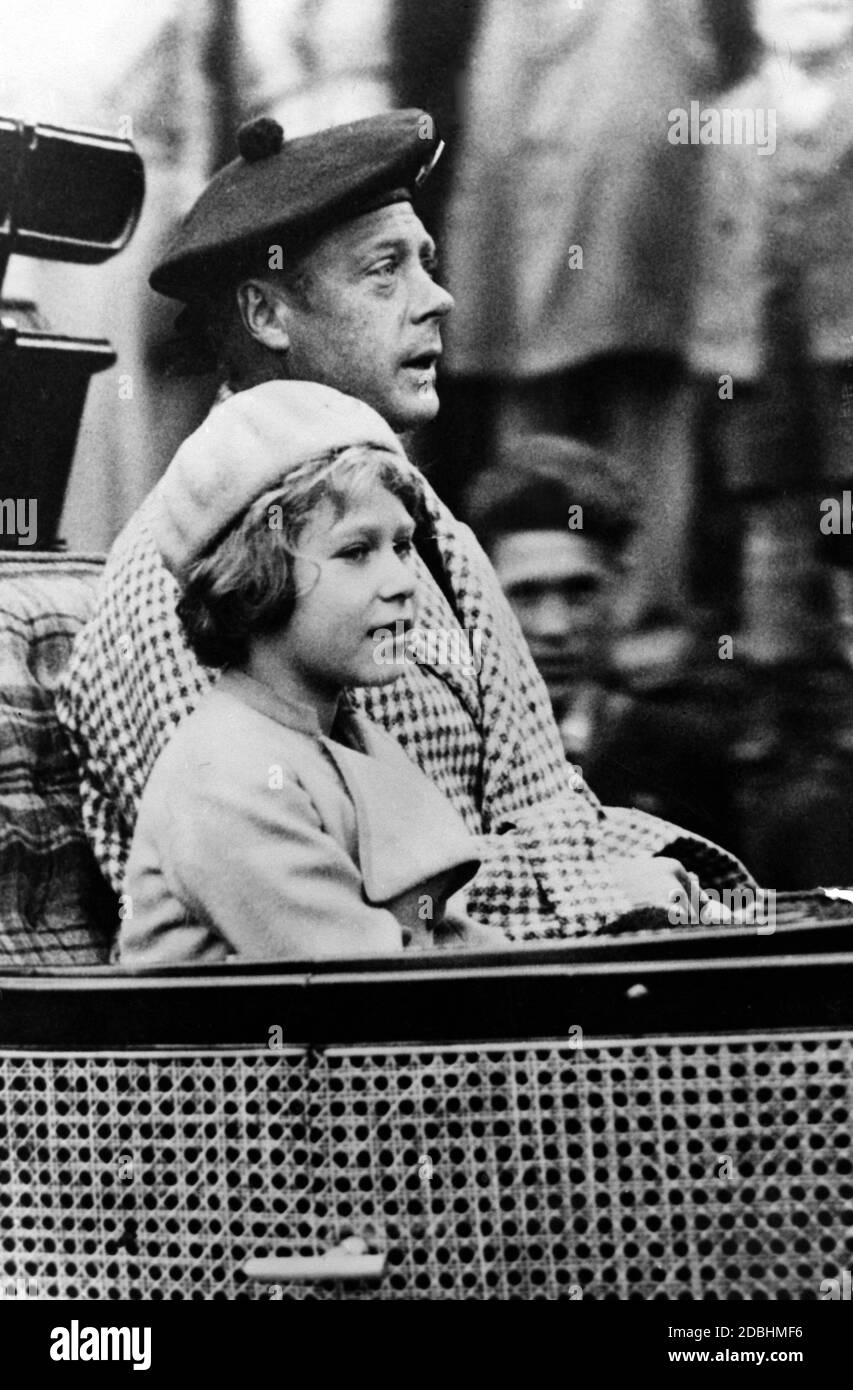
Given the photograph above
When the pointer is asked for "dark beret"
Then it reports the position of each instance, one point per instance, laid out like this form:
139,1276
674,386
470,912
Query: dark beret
288,191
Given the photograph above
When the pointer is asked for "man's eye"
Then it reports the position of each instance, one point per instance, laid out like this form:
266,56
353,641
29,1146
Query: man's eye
430,265
405,548
385,269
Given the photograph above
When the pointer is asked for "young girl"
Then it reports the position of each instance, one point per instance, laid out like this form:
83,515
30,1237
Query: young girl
277,823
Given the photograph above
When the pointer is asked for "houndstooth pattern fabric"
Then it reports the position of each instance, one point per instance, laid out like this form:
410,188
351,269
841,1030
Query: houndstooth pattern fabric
486,737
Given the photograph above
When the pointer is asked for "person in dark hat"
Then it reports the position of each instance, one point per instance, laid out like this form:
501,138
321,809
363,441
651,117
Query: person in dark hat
290,261
555,516
305,259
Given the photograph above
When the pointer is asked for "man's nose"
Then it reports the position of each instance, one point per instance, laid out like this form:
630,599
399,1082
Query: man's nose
435,302
552,617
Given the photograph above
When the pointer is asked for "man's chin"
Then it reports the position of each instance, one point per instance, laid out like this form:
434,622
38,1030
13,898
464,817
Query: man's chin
415,409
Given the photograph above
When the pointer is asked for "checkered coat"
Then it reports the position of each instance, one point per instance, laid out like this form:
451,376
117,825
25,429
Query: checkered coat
483,731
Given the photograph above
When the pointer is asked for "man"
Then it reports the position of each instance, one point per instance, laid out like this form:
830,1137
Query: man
554,518
648,728
305,259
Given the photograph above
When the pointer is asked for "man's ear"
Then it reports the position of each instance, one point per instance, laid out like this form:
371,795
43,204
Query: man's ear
264,314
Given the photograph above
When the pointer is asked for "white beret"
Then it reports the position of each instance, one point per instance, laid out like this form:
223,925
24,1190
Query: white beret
245,447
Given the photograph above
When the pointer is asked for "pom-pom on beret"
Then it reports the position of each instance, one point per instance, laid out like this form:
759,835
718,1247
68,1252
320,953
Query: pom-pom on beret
259,139
286,192
245,447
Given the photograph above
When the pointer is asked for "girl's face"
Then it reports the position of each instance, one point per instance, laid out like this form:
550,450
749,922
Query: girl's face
354,575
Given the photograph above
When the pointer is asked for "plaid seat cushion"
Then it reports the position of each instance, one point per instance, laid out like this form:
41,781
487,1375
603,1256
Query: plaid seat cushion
54,906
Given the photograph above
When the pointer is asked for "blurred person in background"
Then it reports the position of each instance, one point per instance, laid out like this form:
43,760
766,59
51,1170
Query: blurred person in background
574,289
648,728
619,277
773,312
554,518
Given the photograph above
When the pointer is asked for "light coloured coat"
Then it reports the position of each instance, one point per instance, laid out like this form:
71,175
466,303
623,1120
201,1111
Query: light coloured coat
260,836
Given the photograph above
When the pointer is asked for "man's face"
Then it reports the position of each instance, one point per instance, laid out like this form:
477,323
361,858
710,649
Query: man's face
355,579
559,584
369,322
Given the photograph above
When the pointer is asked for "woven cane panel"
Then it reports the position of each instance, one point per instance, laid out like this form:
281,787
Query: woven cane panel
701,1170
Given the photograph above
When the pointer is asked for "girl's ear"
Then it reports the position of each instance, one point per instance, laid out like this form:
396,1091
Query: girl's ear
264,314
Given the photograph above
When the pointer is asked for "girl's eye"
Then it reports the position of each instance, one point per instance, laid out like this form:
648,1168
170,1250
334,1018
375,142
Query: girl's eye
354,552
405,548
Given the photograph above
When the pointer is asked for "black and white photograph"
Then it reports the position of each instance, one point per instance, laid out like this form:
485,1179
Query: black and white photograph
426,664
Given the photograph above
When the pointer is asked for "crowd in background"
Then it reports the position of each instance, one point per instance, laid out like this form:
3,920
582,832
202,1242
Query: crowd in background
684,307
